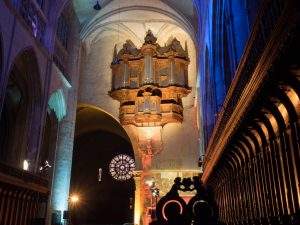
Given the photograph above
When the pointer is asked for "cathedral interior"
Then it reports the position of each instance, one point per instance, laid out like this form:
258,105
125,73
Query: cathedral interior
167,112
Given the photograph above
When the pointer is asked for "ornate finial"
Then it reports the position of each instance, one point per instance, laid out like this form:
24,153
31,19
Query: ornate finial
150,39
186,49
115,56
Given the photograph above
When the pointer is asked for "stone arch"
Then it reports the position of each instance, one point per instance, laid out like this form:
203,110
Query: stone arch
22,109
126,7
98,135
112,124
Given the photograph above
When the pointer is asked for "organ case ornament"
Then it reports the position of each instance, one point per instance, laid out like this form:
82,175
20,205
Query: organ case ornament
150,82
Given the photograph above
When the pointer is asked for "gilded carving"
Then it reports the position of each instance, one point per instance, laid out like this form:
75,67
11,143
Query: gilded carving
149,82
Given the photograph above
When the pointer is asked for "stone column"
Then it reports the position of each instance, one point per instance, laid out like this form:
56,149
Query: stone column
62,166
137,199
64,147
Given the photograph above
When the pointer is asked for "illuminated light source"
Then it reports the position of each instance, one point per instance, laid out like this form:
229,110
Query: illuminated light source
26,165
99,174
155,192
57,103
97,6
168,202
150,183
74,199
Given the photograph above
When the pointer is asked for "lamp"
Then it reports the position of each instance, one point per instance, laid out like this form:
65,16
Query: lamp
45,166
73,202
26,164
97,6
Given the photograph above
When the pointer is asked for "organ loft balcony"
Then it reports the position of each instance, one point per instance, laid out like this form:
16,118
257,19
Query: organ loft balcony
150,82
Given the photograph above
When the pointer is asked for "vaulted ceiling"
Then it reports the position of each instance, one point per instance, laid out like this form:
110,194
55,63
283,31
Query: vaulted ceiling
120,20
85,11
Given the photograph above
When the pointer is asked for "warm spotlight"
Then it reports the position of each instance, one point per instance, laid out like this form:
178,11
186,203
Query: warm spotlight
74,199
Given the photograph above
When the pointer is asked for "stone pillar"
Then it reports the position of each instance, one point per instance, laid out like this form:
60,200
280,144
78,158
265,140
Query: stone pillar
64,147
137,199
62,166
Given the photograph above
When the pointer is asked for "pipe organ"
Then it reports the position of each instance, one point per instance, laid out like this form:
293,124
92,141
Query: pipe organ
150,82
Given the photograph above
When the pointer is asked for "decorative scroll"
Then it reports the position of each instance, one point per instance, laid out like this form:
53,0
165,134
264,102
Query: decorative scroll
173,210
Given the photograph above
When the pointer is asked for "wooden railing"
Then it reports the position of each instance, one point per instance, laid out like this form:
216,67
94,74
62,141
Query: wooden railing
18,176
23,196
271,16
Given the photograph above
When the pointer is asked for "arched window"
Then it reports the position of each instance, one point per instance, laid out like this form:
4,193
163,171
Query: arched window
63,29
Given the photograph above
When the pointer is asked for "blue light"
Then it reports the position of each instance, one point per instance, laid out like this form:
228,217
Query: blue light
57,104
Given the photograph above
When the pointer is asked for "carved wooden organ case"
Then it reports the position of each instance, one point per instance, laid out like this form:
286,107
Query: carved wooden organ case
150,82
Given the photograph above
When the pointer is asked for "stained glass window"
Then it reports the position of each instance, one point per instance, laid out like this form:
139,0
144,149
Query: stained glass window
121,167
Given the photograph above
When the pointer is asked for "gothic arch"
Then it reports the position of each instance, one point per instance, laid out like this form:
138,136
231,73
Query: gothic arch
161,9
100,137
22,105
